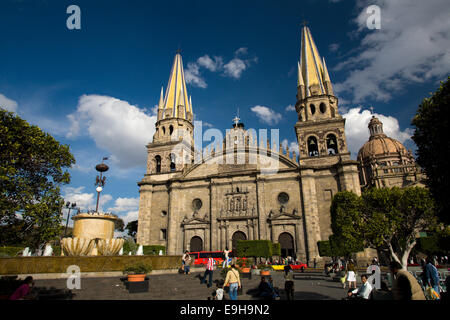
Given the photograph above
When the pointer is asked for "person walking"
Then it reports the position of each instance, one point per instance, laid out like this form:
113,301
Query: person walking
405,286
351,275
209,271
289,282
226,253
234,281
187,264
431,275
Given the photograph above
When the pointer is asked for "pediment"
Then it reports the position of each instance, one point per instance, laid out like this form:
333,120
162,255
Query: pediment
241,161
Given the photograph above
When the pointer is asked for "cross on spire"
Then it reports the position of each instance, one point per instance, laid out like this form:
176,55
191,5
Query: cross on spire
304,23
236,120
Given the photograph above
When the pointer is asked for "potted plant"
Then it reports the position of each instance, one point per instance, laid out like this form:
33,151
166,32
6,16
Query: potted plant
264,269
137,272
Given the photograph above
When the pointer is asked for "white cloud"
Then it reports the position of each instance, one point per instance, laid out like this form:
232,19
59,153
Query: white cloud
241,51
210,64
357,132
411,47
266,115
290,108
234,68
7,103
193,77
124,204
116,126
85,200
334,47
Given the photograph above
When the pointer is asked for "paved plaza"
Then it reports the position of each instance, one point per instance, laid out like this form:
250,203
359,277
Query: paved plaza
315,286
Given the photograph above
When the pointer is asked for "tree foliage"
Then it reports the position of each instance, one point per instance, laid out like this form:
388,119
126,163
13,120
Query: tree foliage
32,169
119,225
386,217
346,224
431,124
132,227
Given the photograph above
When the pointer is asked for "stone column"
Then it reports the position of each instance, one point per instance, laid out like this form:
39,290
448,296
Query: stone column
144,218
261,207
311,213
300,244
214,212
173,232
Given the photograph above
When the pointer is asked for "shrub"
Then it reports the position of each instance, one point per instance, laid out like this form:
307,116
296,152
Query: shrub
138,268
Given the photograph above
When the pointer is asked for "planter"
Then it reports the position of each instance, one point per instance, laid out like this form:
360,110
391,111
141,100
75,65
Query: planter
245,270
265,273
136,277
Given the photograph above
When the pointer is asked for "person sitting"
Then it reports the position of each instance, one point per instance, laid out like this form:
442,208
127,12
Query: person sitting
24,291
264,289
362,292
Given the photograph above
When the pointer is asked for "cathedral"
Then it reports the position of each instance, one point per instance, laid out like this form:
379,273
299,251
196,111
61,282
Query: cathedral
245,189
210,199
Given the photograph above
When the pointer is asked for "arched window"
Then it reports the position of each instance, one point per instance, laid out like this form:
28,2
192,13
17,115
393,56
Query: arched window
332,144
164,130
172,162
323,107
158,164
171,130
313,149
312,108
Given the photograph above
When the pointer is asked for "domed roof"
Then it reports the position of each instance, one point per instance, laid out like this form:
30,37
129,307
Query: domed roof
379,143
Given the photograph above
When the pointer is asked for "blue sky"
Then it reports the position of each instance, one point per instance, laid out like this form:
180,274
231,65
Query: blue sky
95,88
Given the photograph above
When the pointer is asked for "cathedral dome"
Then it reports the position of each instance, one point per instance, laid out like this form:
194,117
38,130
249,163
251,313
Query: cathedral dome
380,144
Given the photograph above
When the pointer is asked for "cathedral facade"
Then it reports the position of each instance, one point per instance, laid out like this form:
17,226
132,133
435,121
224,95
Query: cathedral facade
245,189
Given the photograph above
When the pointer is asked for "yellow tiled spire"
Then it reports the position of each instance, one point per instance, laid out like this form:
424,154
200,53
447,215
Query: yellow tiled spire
312,68
176,93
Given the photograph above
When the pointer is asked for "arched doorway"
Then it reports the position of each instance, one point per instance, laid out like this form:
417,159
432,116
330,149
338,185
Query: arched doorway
287,245
238,235
196,244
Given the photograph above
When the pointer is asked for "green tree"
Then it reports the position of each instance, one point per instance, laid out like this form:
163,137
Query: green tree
32,169
346,224
431,137
393,217
119,225
132,227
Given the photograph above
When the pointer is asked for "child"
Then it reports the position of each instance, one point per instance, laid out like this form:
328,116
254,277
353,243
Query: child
343,278
219,292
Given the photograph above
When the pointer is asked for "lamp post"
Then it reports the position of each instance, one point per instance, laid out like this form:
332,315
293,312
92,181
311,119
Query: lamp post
100,181
69,206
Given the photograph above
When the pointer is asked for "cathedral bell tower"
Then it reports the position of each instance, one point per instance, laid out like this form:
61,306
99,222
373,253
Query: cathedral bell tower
320,127
174,124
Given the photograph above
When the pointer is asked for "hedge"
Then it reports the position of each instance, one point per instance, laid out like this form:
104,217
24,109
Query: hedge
33,265
153,250
257,248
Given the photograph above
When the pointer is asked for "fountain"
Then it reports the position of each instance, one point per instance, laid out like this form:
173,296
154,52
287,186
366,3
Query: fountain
140,251
93,232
